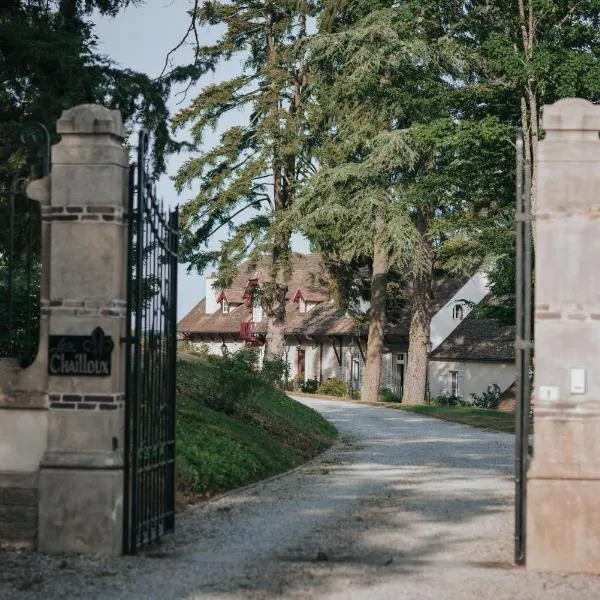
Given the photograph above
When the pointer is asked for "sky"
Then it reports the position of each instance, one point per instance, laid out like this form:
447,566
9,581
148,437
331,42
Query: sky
139,38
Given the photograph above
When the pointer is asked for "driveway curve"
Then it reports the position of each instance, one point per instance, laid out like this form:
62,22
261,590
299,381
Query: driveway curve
402,506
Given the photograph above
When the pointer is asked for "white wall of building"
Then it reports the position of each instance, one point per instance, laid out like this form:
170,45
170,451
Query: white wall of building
312,361
331,366
211,305
215,347
443,322
474,377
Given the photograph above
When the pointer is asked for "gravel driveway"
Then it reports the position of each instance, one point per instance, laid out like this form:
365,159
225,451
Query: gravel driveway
401,507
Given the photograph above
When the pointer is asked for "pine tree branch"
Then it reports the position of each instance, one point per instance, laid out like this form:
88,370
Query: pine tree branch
191,29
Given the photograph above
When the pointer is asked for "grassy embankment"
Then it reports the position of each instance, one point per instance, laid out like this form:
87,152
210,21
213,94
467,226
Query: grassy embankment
234,428
476,417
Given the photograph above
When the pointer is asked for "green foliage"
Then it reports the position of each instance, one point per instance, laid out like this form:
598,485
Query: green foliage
475,417
489,399
50,62
334,387
22,341
447,400
245,359
386,395
275,371
310,386
244,183
266,434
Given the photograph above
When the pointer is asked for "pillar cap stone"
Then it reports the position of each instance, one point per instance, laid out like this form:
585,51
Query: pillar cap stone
574,114
91,119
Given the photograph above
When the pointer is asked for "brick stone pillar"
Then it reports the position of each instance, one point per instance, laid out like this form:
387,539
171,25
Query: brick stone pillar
84,316
563,513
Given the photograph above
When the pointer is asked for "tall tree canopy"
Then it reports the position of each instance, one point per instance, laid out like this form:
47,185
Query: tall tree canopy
396,184
49,62
250,177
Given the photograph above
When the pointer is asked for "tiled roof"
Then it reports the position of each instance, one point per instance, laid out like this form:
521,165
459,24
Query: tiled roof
324,319
197,320
308,274
478,339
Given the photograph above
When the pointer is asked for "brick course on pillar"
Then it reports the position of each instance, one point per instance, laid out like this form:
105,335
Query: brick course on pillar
563,511
85,245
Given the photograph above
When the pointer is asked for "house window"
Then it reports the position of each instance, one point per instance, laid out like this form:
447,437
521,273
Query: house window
300,363
457,312
225,307
454,386
302,305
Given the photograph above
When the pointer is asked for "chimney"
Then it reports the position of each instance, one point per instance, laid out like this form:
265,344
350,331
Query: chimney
212,293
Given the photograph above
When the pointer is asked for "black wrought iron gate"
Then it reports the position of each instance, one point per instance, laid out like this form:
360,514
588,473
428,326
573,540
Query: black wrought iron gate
149,507
523,344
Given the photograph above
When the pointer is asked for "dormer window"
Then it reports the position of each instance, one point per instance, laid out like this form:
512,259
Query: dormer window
302,305
457,312
225,305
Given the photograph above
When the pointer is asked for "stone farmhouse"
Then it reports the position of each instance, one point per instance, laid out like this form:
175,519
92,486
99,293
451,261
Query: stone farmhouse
467,355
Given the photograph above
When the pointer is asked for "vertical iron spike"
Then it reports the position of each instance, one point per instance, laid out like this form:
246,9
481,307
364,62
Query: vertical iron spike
519,552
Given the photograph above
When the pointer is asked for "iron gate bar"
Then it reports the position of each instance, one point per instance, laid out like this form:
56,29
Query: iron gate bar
151,366
523,344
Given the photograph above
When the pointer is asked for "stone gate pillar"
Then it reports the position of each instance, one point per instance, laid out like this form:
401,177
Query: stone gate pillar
83,311
563,497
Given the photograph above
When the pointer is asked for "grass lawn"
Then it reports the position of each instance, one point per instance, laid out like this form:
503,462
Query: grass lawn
476,417
233,428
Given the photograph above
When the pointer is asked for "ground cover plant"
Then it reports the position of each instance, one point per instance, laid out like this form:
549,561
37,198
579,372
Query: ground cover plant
476,417
234,427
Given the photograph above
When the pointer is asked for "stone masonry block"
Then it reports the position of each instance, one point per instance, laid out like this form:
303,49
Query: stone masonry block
81,511
567,446
91,119
567,252
560,345
572,114
85,431
563,525
89,184
88,260
569,186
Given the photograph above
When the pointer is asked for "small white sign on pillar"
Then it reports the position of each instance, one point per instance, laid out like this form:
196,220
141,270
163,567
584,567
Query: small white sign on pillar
577,377
549,393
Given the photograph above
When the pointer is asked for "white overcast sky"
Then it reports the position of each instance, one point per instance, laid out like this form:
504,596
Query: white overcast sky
140,38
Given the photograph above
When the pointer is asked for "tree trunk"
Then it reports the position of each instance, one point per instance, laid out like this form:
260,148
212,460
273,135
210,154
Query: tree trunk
420,301
529,100
372,378
416,371
275,339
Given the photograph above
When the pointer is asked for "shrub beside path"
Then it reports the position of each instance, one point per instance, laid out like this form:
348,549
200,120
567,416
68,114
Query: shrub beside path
403,506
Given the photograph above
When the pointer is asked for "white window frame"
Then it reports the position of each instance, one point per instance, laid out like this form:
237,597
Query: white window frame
458,313
454,377
301,305
225,307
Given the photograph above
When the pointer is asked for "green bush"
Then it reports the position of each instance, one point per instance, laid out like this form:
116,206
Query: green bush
309,386
486,400
447,400
228,383
334,387
386,395
274,371
246,359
